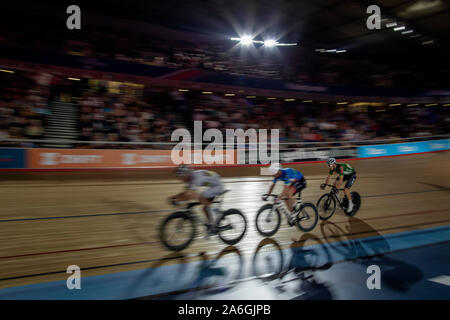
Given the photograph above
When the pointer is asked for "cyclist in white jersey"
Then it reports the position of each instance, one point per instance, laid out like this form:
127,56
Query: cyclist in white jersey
194,179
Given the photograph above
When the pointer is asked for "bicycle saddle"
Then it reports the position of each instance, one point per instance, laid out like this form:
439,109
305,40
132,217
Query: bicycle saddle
219,195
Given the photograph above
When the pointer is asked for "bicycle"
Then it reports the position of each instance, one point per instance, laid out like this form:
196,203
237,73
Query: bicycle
327,203
186,220
302,213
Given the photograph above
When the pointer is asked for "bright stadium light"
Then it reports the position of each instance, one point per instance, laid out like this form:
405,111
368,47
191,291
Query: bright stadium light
246,40
6,71
390,25
270,43
399,28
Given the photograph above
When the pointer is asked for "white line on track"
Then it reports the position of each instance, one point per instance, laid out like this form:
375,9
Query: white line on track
441,280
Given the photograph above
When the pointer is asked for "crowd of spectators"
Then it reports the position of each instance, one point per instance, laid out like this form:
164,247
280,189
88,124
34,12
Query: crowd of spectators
152,114
23,106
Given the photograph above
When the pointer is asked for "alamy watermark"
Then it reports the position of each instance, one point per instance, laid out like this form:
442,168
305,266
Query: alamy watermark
74,20
74,280
231,149
374,280
374,20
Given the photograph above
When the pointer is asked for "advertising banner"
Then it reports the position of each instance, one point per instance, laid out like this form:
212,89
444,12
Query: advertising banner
298,155
92,158
403,148
12,158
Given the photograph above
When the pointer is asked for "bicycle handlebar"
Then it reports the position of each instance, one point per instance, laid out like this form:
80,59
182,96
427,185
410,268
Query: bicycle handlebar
275,196
331,185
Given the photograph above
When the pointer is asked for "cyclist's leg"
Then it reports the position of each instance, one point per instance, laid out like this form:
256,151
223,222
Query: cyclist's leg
206,202
347,188
206,199
299,186
288,194
350,180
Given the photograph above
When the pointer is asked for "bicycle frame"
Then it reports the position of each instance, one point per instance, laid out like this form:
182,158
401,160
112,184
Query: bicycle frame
188,209
279,205
334,193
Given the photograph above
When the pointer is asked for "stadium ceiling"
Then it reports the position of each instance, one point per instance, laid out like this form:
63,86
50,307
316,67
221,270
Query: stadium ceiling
327,24
320,23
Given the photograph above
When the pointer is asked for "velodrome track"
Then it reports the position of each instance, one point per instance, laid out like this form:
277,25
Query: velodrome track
107,224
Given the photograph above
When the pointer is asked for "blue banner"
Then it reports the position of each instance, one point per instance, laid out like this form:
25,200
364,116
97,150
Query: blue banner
12,158
403,148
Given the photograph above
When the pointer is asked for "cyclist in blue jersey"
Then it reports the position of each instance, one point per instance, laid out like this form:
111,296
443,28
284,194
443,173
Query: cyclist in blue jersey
294,182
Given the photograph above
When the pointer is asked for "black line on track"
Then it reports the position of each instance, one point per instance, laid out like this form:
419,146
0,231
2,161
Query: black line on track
85,215
144,183
187,256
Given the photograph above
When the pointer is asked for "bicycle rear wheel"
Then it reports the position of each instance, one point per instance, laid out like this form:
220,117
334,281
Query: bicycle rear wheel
356,199
307,217
177,231
326,206
232,226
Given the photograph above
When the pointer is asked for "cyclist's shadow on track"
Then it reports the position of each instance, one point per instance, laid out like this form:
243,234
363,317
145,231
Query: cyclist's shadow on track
297,277
217,275
396,274
211,275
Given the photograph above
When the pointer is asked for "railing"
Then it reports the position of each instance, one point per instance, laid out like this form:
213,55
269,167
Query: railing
143,155
286,145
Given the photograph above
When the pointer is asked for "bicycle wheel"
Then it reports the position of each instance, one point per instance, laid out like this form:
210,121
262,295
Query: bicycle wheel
326,206
356,198
231,226
268,220
178,226
307,217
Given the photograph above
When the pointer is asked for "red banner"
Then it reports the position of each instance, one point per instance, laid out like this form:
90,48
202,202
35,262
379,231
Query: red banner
92,158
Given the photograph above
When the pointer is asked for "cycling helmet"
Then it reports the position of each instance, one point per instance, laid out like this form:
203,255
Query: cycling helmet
274,168
182,170
331,161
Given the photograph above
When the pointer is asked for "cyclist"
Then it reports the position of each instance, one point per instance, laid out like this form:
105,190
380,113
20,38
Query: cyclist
194,179
294,182
345,173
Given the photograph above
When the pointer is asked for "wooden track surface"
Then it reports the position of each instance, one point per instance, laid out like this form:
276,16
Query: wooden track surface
107,222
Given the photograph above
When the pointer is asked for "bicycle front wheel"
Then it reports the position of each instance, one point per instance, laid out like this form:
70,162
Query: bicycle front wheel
307,217
268,220
326,206
232,226
177,231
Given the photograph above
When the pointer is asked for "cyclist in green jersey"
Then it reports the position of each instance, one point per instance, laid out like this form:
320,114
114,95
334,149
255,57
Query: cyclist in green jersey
345,173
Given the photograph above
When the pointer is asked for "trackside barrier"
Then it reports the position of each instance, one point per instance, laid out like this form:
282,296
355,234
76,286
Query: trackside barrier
55,159
12,158
403,148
